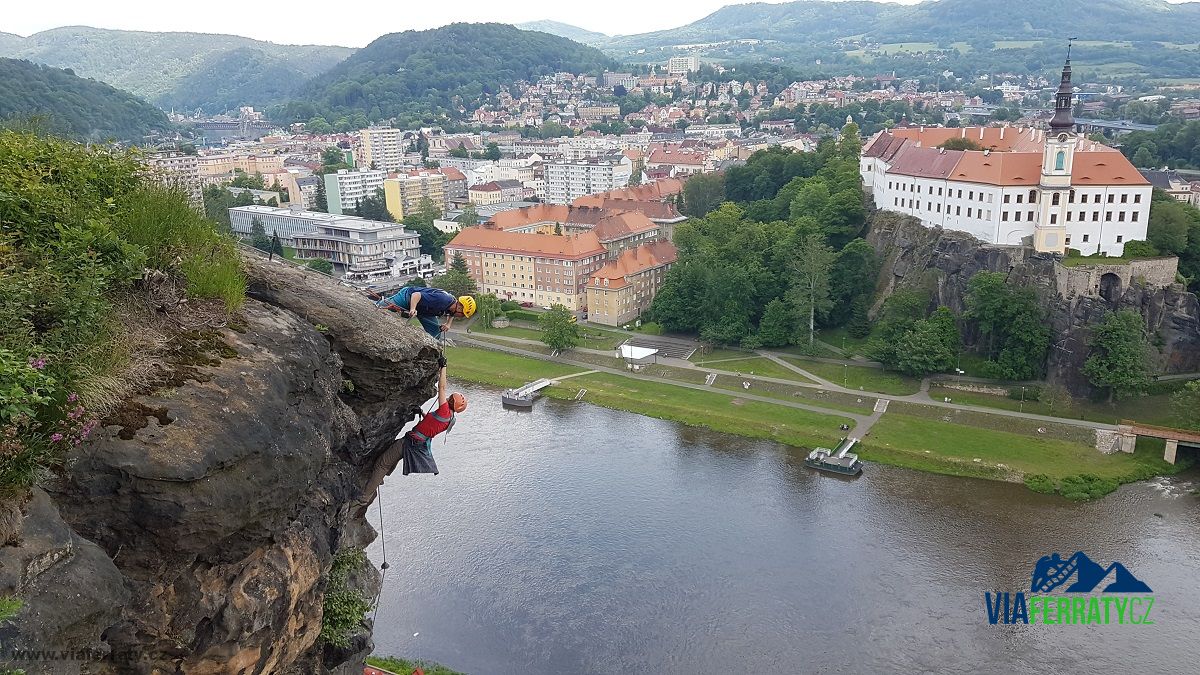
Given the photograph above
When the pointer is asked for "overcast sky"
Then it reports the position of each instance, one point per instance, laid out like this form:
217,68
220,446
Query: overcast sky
351,24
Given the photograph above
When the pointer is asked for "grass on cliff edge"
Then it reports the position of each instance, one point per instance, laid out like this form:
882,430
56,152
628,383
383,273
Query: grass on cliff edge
407,667
715,410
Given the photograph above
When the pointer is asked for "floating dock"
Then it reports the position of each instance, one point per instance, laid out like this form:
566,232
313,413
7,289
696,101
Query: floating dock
524,396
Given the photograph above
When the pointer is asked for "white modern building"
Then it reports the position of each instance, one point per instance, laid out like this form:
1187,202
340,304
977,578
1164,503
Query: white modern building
1050,189
344,189
568,180
682,65
343,240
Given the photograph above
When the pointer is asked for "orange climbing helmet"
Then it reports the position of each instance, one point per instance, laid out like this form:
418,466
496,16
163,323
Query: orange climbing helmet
458,402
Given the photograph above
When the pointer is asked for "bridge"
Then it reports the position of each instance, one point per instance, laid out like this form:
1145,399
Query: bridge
1129,430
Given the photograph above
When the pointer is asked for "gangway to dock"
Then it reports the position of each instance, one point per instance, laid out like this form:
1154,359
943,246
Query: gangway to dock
523,397
844,447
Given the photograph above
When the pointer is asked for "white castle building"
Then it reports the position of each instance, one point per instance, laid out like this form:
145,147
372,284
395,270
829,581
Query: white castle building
1050,189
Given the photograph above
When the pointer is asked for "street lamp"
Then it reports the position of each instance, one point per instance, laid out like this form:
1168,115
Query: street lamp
1022,399
845,375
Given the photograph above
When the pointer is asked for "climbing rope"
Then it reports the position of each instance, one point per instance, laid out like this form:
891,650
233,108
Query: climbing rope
384,565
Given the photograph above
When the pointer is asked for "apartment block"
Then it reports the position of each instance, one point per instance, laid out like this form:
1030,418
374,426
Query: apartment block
403,192
344,189
382,148
179,170
342,240
568,180
623,289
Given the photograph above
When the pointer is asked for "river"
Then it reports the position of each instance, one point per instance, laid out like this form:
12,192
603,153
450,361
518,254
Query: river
576,539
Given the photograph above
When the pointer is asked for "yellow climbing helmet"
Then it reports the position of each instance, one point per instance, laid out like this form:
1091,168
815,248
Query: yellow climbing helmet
468,305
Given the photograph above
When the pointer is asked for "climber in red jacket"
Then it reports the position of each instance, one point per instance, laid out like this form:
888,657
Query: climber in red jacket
415,447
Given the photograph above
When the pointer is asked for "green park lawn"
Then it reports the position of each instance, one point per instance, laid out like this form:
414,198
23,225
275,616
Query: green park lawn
910,435
1154,409
942,447
754,365
860,377
591,338
720,355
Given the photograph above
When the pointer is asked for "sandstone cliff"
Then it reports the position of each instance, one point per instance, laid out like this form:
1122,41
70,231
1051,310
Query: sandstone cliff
195,535
945,260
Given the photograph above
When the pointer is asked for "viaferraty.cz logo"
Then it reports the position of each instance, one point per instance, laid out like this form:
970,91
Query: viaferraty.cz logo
1084,599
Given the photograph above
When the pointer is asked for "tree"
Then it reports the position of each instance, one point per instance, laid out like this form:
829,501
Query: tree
456,283
258,235
322,201
459,263
1185,404
558,331
320,265
1119,358
276,244
420,220
931,345
849,144
778,325
469,216
492,152
702,193
851,278
1143,158
960,144
1169,224
1012,322
635,176
333,156
619,91
374,207
558,229
811,268
487,307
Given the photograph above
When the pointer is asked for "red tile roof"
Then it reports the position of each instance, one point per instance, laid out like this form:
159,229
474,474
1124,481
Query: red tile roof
549,245
635,260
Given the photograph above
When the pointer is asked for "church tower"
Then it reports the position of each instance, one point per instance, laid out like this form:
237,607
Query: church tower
1058,155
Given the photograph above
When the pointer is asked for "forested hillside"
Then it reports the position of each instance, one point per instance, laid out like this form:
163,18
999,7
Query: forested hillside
566,30
428,76
184,70
66,104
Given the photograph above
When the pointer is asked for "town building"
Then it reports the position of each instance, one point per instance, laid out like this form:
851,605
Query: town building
456,184
622,290
344,189
1050,189
1171,182
567,180
403,192
342,240
682,65
382,148
677,160
496,192
177,170
545,269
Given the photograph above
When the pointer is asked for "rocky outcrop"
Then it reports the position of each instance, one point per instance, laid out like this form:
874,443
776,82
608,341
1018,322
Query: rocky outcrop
945,260
216,505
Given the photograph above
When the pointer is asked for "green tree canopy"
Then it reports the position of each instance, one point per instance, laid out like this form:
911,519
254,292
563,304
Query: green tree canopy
1119,355
558,331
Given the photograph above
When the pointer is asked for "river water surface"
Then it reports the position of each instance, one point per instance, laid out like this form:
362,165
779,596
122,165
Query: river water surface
575,539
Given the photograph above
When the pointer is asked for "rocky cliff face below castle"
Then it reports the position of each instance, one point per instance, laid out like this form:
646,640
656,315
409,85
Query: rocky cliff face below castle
945,260
196,534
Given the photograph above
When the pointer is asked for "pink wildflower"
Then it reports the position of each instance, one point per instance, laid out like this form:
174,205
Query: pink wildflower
72,398
54,438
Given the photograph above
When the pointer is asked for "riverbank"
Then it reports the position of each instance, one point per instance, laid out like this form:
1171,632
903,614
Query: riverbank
913,436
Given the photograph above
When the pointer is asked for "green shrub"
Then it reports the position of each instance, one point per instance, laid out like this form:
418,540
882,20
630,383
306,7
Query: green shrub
344,607
1040,482
79,227
522,315
1086,486
407,667
509,305
651,328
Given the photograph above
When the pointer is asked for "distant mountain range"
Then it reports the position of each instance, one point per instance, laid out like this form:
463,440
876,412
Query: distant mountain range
179,70
63,103
944,20
566,30
429,76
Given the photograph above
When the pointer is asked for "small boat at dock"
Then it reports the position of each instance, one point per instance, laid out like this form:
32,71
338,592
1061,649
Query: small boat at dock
516,399
839,460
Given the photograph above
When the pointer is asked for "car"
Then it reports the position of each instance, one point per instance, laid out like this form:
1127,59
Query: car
527,304
546,307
